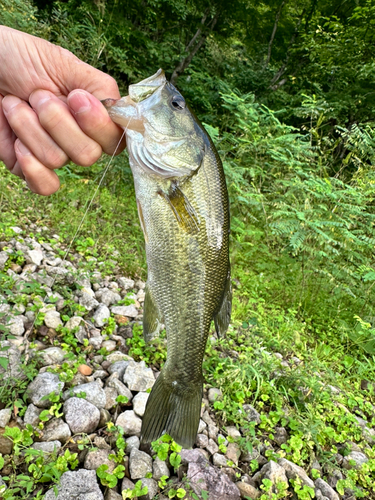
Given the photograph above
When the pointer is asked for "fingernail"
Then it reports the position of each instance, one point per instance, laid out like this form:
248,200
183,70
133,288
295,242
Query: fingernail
21,148
79,102
9,102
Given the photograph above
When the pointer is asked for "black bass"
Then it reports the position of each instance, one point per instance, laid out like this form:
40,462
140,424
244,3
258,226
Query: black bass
183,208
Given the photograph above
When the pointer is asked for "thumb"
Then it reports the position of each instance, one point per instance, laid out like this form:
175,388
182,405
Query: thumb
76,74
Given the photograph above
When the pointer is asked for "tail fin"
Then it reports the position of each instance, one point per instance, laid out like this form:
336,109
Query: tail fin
174,409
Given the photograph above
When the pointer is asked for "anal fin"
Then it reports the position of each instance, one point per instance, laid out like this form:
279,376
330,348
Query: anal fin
222,317
151,316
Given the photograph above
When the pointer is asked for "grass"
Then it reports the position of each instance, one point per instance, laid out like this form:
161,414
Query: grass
315,397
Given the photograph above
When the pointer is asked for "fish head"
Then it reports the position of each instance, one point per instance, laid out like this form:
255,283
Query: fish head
163,136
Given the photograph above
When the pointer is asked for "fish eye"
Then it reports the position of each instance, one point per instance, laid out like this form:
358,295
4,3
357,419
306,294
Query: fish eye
178,102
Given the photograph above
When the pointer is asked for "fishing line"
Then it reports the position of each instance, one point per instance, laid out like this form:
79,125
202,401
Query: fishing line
76,233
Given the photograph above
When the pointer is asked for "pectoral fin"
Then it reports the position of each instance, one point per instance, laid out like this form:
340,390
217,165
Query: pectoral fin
184,212
151,317
222,317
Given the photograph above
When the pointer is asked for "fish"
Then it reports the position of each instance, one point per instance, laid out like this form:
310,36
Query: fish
183,208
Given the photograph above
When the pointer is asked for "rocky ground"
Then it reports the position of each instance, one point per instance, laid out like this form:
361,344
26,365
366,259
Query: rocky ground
80,348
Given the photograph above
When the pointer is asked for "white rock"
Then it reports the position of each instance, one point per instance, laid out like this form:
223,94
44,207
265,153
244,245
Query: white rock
93,393
16,326
87,299
3,259
108,297
47,446
101,315
139,403
42,386
140,464
34,257
131,424
5,416
52,319
74,322
129,311
132,442
138,377
80,415
52,356
159,469
125,283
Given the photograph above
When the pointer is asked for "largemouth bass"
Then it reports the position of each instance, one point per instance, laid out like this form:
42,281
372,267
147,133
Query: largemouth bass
183,209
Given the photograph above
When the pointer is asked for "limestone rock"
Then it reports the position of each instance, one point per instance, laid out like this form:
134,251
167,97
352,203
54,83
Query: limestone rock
52,356
326,489
5,416
99,457
52,319
128,311
80,485
140,464
214,394
56,430
139,403
251,413
248,491
32,415
42,386
203,476
132,442
138,377
121,388
101,315
131,424
358,457
16,326
94,394
80,415
219,460
47,446
152,488
119,367
292,471
159,469
275,473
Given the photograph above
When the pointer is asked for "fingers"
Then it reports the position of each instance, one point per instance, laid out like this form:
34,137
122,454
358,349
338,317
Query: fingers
56,119
39,178
7,138
93,119
26,126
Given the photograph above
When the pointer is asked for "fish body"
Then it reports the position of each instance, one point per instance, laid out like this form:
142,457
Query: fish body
183,208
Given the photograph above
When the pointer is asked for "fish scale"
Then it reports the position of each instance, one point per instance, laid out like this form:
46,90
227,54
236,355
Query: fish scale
183,208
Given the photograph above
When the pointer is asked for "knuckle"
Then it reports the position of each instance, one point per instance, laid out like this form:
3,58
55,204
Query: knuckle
88,155
54,158
19,116
50,116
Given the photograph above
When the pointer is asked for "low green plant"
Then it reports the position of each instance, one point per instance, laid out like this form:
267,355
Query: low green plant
41,467
163,446
153,352
137,492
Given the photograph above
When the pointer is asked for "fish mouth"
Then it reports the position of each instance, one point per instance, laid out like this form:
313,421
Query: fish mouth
142,90
124,111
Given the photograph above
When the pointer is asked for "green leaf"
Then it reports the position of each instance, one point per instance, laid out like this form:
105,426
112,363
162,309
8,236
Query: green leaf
4,362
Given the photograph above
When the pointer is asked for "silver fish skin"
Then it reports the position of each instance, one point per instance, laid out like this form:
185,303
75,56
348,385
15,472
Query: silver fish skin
183,209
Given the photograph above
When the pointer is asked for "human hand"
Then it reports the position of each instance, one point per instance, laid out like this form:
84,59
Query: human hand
50,111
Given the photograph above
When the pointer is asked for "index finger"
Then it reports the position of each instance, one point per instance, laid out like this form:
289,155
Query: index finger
7,138
93,119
